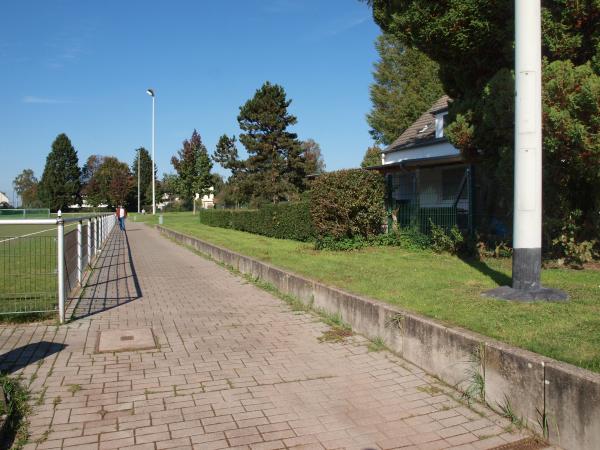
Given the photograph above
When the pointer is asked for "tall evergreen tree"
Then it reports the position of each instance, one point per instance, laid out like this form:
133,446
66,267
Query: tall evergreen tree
204,178
60,184
145,175
406,85
226,154
193,166
275,166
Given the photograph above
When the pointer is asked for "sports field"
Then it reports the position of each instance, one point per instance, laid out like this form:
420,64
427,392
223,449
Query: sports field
28,267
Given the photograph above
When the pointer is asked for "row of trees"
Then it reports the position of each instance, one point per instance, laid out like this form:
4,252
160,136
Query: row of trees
103,180
472,45
276,169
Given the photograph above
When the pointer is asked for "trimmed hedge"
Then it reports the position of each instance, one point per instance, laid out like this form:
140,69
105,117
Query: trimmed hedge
348,204
283,220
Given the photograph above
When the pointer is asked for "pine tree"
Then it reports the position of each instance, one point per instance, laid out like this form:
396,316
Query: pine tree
406,85
226,154
203,179
275,168
60,184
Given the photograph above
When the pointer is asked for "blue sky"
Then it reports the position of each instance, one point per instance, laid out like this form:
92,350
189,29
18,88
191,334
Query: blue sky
82,68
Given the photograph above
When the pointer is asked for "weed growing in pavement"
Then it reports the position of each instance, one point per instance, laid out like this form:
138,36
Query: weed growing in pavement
430,389
15,432
507,412
44,437
475,390
41,396
376,345
74,388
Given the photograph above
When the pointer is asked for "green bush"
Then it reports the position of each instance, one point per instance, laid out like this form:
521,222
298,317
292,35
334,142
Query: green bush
569,249
348,204
407,238
283,220
451,241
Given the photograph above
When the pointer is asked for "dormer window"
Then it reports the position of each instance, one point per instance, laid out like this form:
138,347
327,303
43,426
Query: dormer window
440,123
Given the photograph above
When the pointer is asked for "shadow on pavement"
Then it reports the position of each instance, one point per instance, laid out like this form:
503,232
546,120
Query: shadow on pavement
114,282
19,357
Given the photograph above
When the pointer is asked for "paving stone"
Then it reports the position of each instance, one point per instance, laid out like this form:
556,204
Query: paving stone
230,367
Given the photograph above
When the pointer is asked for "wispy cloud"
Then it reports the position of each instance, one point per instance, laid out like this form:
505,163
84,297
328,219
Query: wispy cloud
64,49
337,26
43,100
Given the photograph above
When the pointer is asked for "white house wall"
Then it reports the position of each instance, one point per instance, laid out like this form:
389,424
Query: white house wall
428,151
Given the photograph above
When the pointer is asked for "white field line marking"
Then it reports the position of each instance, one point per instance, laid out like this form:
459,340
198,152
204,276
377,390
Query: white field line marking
30,234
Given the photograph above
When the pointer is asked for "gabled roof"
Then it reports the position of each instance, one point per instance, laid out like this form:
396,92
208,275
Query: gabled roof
422,131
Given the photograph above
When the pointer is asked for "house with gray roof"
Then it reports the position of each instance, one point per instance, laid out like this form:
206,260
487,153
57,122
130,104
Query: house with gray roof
427,179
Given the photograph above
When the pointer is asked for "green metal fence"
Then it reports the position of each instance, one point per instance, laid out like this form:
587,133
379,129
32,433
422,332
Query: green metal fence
413,216
441,196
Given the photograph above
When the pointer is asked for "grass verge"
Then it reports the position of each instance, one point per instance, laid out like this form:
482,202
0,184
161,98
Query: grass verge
15,431
443,287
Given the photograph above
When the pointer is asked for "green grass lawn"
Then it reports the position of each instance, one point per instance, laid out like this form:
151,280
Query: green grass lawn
443,287
28,268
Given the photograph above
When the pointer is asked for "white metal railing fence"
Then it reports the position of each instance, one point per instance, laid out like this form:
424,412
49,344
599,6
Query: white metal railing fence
39,269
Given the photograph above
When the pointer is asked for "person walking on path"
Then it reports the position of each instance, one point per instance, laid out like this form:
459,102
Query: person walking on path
121,215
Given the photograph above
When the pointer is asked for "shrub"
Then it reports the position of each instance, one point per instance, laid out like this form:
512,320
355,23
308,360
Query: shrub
283,220
408,238
568,248
446,241
347,204
341,244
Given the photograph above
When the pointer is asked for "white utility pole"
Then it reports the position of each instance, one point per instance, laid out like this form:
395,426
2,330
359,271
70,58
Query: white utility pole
150,92
527,226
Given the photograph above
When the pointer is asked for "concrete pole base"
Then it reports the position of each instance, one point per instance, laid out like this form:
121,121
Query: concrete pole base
540,294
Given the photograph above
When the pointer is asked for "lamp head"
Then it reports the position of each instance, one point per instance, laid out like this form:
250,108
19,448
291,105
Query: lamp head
150,92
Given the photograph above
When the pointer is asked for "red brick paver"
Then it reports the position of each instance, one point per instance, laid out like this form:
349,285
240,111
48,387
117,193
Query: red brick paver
233,368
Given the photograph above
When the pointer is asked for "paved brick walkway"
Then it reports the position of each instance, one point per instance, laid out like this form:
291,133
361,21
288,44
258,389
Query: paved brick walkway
234,368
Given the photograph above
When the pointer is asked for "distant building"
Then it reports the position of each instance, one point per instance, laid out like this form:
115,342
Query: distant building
208,200
4,199
85,204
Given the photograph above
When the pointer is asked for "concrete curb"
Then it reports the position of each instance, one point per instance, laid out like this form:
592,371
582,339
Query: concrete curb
562,398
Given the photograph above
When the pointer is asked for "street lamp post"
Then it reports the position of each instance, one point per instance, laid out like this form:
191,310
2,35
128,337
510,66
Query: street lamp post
527,225
150,92
138,170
